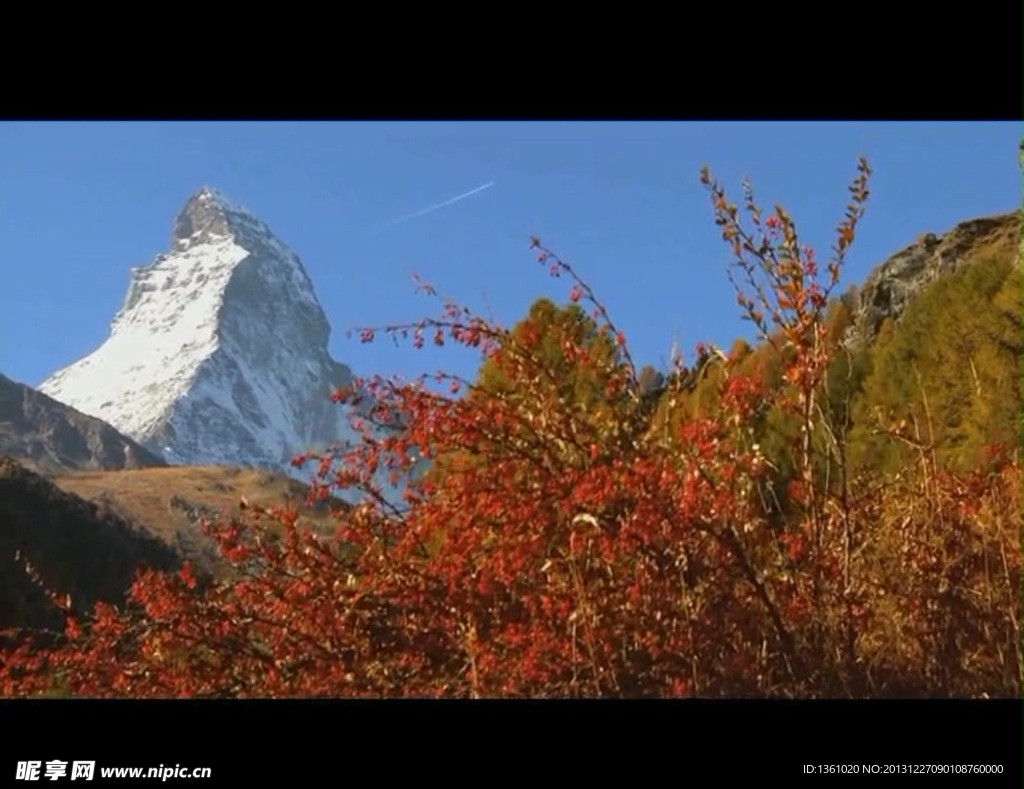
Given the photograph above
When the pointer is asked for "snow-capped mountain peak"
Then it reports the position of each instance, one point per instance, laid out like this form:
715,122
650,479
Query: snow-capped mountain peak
219,351
209,216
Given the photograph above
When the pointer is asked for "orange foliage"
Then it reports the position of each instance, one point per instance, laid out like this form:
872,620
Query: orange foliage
575,557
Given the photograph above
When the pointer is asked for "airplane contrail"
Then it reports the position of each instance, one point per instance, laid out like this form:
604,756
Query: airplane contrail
429,209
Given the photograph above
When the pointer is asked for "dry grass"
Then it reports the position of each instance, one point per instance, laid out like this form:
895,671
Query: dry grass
168,502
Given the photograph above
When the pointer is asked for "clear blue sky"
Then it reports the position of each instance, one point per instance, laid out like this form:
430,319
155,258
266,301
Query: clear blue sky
80,203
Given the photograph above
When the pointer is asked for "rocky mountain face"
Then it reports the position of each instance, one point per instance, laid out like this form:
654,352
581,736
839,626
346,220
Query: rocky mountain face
887,290
219,352
50,436
75,549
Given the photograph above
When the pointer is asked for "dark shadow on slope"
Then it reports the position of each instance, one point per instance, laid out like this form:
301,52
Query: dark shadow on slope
74,547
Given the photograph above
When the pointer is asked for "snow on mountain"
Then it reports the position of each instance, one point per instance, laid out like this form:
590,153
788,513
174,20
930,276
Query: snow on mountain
219,352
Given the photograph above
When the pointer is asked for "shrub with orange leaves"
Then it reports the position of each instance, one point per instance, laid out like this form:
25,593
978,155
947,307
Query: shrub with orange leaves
566,552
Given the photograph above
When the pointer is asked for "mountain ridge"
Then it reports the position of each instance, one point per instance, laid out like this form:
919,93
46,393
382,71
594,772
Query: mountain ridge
50,436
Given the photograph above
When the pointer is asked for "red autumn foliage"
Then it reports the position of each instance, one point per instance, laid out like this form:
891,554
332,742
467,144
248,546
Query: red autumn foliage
564,552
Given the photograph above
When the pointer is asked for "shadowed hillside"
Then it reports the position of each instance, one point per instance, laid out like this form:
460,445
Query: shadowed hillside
74,547
51,436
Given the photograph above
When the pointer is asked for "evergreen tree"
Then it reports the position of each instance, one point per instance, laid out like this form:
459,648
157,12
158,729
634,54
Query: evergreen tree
947,376
558,361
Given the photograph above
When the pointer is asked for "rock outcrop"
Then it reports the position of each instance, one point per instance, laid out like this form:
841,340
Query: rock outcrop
887,290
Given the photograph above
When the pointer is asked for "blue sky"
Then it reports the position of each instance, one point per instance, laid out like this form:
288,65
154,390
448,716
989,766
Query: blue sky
80,203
